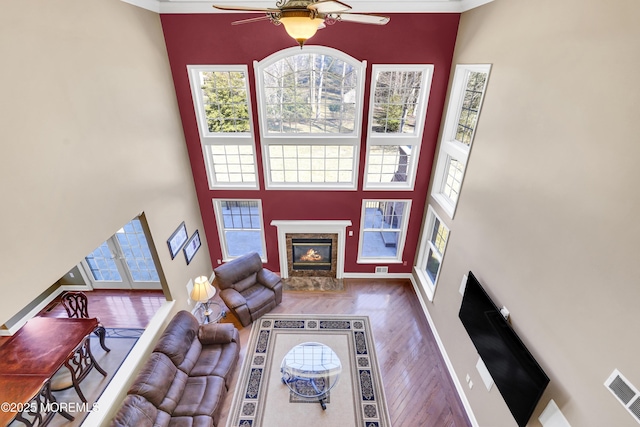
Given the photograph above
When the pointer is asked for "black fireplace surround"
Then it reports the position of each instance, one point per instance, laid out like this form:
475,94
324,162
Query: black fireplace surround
311,254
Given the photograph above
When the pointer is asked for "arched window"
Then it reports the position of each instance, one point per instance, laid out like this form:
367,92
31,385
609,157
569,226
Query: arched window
310,110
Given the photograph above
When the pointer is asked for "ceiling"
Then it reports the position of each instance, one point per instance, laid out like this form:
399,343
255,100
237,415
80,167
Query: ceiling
373,6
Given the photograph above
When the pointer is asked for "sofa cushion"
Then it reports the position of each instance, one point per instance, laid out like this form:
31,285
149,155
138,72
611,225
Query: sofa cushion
155,379
174,394
197,421
201,396
217,333
191,357
177,338
135,411
257,297
217,360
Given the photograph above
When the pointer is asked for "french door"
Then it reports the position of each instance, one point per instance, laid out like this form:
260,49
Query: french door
124,261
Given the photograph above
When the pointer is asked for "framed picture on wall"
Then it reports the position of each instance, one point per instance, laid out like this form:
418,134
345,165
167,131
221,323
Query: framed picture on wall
192,246
177,240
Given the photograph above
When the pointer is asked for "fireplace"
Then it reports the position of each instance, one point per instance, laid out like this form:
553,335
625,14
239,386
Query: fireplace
336,230
311,254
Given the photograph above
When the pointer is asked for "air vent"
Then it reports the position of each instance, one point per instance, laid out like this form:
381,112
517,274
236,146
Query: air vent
622,389
382,270
634,408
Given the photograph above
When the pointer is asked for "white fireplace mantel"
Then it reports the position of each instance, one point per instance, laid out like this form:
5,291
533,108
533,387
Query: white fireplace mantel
338,227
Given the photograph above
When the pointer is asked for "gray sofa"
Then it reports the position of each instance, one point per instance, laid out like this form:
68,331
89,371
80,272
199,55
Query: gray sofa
186,377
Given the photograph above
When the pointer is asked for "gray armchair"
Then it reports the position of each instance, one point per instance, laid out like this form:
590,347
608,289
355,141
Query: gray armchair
248,289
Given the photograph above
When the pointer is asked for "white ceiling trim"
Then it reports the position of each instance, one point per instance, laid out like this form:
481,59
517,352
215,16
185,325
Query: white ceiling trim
372,6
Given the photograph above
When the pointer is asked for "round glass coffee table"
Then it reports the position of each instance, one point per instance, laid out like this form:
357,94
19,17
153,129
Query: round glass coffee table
311,370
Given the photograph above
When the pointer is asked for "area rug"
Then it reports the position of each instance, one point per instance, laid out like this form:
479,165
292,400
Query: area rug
120,341
262,399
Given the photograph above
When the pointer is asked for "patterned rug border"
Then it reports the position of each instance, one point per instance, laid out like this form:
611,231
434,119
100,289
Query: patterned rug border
134,333
246,410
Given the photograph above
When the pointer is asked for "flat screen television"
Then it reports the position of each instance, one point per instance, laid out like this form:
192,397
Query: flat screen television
515,372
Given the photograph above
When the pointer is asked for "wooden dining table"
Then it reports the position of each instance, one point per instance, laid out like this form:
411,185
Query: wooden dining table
33,355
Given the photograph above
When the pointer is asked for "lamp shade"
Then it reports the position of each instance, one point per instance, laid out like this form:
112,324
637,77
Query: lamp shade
300,26
202,290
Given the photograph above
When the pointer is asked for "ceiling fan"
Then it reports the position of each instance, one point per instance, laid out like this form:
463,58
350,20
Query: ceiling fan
302,18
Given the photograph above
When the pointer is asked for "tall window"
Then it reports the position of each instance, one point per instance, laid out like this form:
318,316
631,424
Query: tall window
310,106
240,227
223,113
432,247
465,102
399,95
383,230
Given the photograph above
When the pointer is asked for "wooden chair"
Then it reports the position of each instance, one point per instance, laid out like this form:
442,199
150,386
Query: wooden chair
36,413
79,363
77,306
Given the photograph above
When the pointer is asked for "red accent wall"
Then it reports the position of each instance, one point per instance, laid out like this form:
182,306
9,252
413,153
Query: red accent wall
210,39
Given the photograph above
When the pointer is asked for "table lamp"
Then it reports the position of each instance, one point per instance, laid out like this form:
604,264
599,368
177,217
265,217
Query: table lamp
202,292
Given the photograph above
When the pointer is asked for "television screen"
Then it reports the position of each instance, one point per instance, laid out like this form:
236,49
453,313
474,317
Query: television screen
519,378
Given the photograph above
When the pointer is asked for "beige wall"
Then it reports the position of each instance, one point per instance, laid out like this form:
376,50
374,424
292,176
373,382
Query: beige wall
548,214
90,137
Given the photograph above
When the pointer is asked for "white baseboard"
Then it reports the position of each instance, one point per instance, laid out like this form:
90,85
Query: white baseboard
443,351
377,276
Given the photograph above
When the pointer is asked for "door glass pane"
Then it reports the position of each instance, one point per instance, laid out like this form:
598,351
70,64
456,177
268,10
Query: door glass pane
102,266
135,249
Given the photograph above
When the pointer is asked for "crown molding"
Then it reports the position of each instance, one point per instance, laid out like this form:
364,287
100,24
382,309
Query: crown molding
371,6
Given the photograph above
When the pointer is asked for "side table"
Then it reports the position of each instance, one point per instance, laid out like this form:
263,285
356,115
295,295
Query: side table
216,312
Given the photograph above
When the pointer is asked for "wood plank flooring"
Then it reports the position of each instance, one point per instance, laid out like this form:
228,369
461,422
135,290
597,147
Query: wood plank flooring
418,387
116,308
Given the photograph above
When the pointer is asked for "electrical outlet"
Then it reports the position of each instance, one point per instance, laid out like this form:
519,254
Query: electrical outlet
350,233
219,262
470,384
468,378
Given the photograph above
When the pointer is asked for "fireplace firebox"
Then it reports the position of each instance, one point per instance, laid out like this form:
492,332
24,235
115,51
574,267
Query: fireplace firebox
311,253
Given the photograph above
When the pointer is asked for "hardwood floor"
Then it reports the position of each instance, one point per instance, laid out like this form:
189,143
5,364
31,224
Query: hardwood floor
418,387
116,308
419,390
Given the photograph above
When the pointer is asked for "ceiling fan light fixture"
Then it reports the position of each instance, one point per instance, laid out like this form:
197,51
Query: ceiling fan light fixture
300,25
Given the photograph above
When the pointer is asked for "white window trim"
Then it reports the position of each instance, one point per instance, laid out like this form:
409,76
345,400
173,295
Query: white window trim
207,139
449,146
267,139
217,208
415,140
401,241
424,279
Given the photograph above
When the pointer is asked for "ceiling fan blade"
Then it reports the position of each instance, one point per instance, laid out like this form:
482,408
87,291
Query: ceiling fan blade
244,9
329,6
248,21
360,18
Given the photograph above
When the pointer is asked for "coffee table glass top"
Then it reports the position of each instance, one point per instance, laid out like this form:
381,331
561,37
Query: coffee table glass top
311,369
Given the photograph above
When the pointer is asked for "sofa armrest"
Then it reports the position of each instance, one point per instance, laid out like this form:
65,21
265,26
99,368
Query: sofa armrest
232,298
135,411
268,278
217,333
